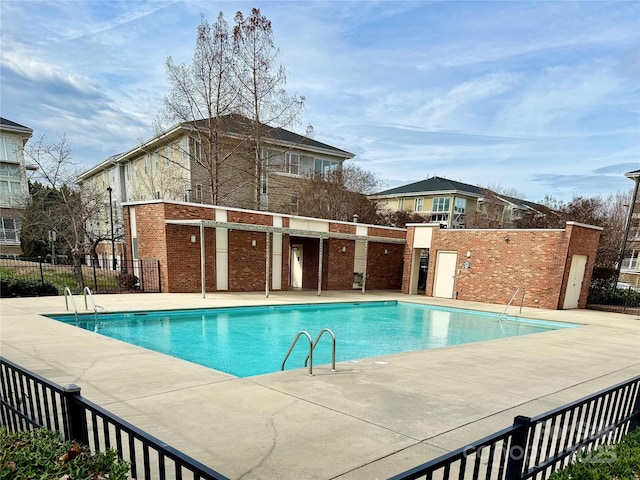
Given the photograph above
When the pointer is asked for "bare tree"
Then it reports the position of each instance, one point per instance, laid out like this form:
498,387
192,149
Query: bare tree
201,94
608,212
341,194
61,206
263,97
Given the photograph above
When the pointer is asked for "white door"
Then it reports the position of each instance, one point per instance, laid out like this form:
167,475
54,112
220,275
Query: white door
296,266
445,274
574,285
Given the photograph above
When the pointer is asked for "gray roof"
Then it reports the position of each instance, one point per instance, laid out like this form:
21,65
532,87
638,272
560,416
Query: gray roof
439,184
632,174
8,123
238,124
433,184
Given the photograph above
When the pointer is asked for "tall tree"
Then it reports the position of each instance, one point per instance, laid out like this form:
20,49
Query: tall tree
201,94
262,82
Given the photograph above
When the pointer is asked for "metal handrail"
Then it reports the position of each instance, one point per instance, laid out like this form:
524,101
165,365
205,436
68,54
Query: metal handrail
293,344
333,351
511,301
67,291
95,307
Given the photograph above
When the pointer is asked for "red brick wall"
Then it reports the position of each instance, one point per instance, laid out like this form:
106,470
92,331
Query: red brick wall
249,217
338,269
342,228
583,241
384,270
530,260
386,232
183,259
247,265
180,259
503,260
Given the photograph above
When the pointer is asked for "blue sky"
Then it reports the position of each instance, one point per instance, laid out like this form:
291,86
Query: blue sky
540,97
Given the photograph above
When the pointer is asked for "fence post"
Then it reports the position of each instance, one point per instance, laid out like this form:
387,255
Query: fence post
635,419
41,273
141,263
159,278
518,448
95,279
75,415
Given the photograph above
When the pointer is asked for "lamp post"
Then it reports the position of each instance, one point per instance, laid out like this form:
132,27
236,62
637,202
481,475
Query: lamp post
113,242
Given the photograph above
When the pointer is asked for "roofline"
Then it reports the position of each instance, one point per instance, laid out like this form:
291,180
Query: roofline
577,224
96,168
18,129
336,152
431,192
261,212
182,126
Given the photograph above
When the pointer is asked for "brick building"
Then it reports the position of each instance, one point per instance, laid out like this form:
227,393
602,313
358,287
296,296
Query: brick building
244,248
553,266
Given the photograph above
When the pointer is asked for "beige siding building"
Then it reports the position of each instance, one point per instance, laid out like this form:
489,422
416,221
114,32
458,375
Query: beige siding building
14,188
180,165
454,204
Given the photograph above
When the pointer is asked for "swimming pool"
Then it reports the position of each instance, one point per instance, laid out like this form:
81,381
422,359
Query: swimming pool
247,341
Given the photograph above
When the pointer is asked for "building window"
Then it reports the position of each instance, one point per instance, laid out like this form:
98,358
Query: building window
10,190
419,204
293,163
9,170
401,204
440,217
9,230
196,150
460,205
294,204
9,149
198,198
324,167
146,165
440,204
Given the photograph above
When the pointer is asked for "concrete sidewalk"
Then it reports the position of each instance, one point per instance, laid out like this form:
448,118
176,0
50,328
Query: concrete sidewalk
371,419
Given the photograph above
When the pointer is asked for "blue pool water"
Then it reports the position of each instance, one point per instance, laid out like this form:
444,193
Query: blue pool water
253,340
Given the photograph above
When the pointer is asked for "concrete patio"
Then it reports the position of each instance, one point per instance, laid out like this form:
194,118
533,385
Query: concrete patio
367,420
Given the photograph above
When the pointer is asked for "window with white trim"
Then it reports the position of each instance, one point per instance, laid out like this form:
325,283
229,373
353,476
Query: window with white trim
460,205
9,230
440,204
10,190
419,205
9,149
9,170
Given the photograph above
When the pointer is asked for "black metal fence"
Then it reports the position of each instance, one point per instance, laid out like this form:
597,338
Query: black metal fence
614,298
29,401
536,447
129,276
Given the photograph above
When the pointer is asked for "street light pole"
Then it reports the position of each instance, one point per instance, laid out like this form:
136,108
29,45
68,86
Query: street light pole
113,241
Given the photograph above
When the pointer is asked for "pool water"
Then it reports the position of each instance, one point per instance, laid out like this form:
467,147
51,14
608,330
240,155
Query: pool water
251,341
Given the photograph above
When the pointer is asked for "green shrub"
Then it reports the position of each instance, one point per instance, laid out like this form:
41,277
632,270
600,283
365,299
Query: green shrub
42,454
25,287
620,461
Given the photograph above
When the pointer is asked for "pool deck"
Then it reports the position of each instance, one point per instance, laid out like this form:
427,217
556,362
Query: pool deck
371,419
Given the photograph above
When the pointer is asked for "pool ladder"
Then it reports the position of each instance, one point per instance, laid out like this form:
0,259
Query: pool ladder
511,301
312,346
87,293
